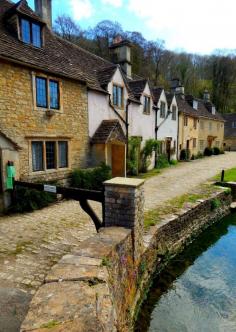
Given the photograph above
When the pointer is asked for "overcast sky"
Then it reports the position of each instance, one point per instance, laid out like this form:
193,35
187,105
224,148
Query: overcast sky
199,26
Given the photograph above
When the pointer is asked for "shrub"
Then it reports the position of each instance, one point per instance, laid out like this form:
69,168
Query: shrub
199,155
162,161
27,200
151,145
173,162
133,157
91,178
208,152
185,154
216,151
215,204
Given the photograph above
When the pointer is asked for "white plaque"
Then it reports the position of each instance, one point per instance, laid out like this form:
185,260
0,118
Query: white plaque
50,189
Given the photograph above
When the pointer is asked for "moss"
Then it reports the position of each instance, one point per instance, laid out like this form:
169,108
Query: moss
215,203
50,324
106,262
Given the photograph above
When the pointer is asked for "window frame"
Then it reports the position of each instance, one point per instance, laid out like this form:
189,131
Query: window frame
185,121
174,112
48,80
118,86
162,110
56,142
194,123
146,110
31,34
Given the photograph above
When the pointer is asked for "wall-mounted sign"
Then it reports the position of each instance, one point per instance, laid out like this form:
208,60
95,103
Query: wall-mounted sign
50,189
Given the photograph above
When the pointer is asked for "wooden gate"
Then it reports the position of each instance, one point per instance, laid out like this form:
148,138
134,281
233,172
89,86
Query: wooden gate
81,195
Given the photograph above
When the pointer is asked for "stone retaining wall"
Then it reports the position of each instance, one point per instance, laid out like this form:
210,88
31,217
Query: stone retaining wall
100,286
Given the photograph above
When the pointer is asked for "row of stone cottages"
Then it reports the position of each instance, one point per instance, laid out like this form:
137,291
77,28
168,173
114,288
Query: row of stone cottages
62,107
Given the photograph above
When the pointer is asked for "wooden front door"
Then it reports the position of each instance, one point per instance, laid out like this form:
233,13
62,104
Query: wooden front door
118,160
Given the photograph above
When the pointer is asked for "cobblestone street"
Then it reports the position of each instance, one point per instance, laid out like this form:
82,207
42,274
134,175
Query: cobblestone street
31,243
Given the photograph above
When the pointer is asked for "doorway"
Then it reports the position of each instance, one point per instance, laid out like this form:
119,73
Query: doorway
118,160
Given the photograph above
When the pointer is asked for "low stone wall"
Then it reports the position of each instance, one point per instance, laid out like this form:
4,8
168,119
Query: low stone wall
100,286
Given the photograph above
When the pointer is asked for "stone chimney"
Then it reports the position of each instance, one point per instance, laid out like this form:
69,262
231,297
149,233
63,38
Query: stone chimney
176,87
44,9
206,96
121,54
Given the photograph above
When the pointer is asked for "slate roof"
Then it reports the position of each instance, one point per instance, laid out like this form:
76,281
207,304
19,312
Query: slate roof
137,87
169,97
184,107
107,131
157,94
57,56
204,108
229,130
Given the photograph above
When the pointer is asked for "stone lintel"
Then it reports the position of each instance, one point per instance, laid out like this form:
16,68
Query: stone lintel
124,182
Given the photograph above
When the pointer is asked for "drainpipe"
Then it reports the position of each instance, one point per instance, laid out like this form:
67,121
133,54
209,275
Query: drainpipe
156,109
127,128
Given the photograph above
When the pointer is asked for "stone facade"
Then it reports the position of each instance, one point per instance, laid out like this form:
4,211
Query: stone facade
188,133
23,123
210,134
100,286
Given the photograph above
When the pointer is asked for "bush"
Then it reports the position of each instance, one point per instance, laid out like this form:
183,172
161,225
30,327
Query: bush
91,178
199,155
185,154
151,145
133,157
193,157
27,200
173,162
216,151
162,161
208,152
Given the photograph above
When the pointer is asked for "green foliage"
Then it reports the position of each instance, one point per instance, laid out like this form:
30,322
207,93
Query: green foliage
106,262
208,152
173,162
199,155
27,200
185,154
151,145
216,151
215,204
133,156
91,178
162,161
230,175
193,157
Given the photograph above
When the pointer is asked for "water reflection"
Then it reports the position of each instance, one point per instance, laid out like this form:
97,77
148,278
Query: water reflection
197,292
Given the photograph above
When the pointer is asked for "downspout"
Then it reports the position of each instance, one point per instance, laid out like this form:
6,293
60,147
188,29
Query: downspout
156,109
127,129
177,150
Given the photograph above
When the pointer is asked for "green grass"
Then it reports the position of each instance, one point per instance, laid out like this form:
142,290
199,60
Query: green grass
155,216
230,175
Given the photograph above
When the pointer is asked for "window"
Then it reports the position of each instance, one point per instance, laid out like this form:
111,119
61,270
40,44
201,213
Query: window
194,143
54,94
63,154
49,155
210,126
162,110
147,105
118,96
37,156
202,124
41,92
47,88
234,124
31,33
195,123
185,121
174,113
201,145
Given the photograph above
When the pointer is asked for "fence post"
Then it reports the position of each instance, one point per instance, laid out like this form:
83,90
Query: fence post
222,175
124,207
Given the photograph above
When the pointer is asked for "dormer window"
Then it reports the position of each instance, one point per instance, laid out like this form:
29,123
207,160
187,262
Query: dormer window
195,105
118,96
213,110
234,124
31,33
146,105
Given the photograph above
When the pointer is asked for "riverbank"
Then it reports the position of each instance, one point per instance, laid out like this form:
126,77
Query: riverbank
101,286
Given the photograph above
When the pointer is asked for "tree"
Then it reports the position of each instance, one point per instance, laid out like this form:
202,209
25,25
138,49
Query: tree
67,28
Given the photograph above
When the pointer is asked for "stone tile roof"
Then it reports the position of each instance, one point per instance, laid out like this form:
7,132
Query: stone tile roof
57,56
105,75
109,130
184,107
229,130
204,108
16,146
157,94
169,97
137,87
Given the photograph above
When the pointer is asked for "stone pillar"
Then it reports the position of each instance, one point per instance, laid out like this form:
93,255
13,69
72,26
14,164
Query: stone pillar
124,207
